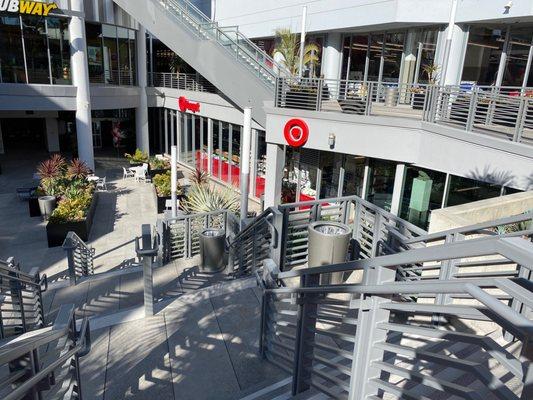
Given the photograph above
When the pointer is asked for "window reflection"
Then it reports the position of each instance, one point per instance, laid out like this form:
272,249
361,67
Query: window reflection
382,174
11,57
483,53
35,44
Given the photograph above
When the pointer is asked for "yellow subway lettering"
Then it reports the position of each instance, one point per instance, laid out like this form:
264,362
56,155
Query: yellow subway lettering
37,8
48,8
26,7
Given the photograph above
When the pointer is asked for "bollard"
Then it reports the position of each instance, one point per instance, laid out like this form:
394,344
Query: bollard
147,248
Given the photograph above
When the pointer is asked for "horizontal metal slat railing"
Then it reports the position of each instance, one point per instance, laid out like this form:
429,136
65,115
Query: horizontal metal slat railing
21,302
114,78
384,337
45,362
80,257
180,236
501,112
182,81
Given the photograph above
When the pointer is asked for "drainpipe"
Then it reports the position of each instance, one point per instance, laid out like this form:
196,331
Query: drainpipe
448,45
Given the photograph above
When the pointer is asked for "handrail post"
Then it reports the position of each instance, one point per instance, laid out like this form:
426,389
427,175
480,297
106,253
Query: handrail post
277,251
472,109
520,119
147,253
70,247
305,336
376,234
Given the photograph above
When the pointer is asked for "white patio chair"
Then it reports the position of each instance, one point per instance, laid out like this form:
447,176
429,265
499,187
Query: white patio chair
127,173
101,184
140,175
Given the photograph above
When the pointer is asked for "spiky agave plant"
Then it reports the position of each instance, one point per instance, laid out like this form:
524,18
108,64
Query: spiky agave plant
206,198
54,167
78,169
199,177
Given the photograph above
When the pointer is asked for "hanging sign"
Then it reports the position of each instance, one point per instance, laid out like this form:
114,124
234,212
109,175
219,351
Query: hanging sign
27,7
296,132
185,105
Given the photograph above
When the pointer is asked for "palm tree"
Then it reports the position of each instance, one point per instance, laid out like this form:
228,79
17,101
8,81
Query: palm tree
289,48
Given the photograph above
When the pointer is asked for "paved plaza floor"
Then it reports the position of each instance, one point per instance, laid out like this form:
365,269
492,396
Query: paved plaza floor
121,211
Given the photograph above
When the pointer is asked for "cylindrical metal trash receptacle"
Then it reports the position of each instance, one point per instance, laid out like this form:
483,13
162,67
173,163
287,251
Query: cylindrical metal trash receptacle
328,244
47,205
391,96
212,245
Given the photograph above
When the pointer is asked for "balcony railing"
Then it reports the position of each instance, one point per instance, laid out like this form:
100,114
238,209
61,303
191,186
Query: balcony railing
502,112
193,82
114,78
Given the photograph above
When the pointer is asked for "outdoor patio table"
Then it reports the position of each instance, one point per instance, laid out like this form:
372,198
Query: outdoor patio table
93,178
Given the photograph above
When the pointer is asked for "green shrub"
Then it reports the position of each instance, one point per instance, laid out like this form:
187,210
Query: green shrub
162,184
72,209
156,163
206,198
137,158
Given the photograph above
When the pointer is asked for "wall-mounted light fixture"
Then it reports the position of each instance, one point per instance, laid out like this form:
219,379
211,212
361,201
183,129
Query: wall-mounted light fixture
508,7
331,140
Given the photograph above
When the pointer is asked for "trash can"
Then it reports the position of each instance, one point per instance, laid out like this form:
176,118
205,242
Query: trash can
328,244
212,247
47,205
391,96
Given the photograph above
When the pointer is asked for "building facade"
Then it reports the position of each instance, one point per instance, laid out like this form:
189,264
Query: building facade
92,77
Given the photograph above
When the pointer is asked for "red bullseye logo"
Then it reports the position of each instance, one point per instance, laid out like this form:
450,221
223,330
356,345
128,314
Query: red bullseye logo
296,132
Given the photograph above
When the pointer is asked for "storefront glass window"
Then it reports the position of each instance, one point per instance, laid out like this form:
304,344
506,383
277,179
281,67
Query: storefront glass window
58,40
423,191
217,149
225,171
428,45
465,190
124,56
330,165
11,57
95,56
197,125
517,56
261,164
374,61
35,42
483,53
109,33
356,57
354,170
392,56
381,183
236,155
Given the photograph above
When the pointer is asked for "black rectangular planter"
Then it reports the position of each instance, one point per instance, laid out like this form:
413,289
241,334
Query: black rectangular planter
419,101
33,205
161,202
154,172
56,233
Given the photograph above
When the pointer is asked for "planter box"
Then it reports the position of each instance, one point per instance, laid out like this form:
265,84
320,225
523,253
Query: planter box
154,172
353,105
56,233
418,101
33,206
161,202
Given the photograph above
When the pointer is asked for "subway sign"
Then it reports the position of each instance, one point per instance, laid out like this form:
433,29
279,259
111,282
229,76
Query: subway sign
27,7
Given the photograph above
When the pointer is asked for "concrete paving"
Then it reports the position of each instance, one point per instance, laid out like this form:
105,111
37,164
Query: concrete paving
121,211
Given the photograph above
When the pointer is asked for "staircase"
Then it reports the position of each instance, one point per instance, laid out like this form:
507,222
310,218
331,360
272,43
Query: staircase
223,55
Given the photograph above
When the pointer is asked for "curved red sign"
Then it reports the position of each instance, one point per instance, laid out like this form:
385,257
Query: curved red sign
296,132
185,105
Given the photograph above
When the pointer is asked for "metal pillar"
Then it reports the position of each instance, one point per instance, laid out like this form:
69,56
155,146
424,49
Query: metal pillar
274,174
174,180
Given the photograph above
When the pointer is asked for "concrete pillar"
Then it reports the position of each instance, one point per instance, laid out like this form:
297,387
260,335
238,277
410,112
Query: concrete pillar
80,79
52,134
274,174
454,68
109,12
246,141
397,192
141,112
331,60
210,146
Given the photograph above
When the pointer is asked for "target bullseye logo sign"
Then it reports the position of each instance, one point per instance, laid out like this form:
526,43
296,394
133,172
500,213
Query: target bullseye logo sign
296,132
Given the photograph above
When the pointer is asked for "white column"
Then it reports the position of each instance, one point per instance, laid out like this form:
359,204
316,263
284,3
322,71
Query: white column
52,134
141,113
210,146
451,73
302,41
246,140
274,174
397,192
331,60
96,11
80,79
253,162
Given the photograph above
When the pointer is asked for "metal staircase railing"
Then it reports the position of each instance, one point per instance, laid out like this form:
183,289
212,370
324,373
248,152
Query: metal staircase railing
80,257
244,51
21,302
380,338
45,363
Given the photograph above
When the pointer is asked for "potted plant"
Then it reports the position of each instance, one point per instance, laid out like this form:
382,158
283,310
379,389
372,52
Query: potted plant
199,177
137,159
163,192
354,102
157,166
206,198
51,172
